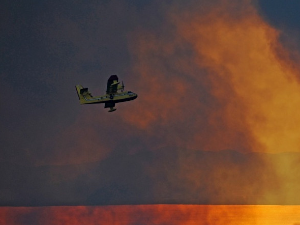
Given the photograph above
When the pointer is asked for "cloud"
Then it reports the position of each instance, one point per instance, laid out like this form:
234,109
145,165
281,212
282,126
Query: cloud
218,80
222,75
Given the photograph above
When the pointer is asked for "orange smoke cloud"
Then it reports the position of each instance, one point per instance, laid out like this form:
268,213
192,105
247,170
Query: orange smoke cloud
183,100
244,55
236,57
152,214
217,80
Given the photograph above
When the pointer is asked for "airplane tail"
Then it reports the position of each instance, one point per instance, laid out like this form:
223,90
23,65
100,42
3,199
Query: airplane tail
83,94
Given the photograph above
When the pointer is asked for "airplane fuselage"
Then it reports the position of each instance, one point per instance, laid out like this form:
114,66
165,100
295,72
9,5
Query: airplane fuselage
111,98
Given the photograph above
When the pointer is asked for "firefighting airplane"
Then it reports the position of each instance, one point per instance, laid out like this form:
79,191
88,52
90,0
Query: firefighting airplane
112,95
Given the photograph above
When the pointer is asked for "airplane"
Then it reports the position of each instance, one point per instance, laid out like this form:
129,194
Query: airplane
114,93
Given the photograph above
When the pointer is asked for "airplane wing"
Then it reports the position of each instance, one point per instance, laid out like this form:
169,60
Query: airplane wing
83,94
85,97
112,84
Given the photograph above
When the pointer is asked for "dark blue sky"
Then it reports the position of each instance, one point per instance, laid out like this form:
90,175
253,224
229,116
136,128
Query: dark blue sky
281,14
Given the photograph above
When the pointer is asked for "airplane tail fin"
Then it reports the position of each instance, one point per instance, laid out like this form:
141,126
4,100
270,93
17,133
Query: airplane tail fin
83,94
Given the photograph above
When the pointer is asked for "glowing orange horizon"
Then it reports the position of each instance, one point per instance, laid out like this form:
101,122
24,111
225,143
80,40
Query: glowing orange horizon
153,214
